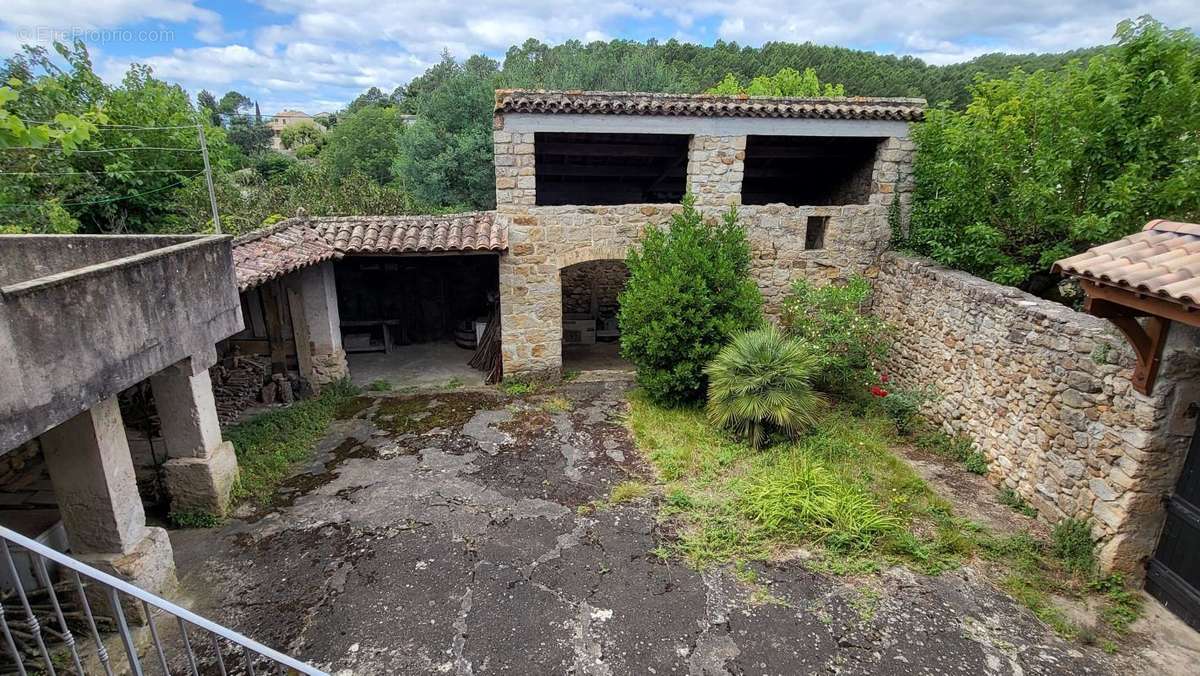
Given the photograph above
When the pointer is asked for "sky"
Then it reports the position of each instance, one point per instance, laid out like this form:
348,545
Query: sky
317,55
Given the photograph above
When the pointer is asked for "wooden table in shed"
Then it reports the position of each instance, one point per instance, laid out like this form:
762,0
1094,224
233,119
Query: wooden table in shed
371,323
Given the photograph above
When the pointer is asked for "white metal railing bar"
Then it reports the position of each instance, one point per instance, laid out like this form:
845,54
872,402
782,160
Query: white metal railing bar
114,587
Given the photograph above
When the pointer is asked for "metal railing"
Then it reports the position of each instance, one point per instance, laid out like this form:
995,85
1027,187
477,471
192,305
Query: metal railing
25,634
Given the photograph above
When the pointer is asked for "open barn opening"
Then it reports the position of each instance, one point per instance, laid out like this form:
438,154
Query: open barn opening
415,320
590,308
808,170
599,169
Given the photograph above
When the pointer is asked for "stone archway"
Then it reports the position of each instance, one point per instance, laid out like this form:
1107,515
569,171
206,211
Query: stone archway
590,307
531,304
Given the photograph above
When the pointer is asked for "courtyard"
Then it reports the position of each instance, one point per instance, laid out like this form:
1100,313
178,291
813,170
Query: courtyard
473,531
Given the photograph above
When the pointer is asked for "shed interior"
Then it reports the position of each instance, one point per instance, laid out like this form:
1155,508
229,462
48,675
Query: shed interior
808,170
598,169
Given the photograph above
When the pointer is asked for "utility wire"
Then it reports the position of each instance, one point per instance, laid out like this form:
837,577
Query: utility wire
103,150
89,173
132,127
100,201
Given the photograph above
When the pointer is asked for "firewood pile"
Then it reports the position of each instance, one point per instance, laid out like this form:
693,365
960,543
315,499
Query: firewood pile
23,632
487,357
238,384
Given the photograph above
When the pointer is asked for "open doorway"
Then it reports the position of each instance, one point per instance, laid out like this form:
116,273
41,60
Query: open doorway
415,320
590,307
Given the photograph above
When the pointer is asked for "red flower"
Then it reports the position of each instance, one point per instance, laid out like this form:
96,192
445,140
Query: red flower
878,391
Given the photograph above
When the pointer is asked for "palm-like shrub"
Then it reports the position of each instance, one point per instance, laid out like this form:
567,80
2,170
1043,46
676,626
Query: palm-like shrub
761,383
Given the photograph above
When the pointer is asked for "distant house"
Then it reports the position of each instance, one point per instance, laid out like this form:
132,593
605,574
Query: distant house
283,119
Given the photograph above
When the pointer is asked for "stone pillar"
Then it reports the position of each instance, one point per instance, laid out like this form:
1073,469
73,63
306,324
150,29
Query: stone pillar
516,184
892,177
530,312
92,472
312,299
716,165
200,467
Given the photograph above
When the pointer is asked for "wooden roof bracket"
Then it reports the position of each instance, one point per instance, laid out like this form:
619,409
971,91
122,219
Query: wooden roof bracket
1146,339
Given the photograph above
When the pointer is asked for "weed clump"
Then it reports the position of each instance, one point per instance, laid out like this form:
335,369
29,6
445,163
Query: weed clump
1072,544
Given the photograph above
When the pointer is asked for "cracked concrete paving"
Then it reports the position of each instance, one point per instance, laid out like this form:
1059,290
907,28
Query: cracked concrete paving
439,534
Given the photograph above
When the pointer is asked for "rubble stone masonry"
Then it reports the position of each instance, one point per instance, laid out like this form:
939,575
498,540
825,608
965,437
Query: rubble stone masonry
545,239
1044,392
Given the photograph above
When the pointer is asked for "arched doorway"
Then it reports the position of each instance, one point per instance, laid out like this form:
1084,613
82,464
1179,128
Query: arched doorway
590,307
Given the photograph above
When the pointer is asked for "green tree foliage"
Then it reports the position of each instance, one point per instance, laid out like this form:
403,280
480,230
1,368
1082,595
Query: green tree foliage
689,291
302,133
248,200
234,104
249,135
446,156
761,383
120,184
786,82
849,341
619,65
365,142
207,102
447,169
372,97
1043,165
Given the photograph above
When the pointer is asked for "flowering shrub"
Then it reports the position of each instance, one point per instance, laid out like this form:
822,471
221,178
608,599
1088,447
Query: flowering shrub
833,319
902,406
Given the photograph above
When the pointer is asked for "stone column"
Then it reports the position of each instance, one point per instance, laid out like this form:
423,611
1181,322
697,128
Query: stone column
200,467
92,472
312,298
516,183
716,166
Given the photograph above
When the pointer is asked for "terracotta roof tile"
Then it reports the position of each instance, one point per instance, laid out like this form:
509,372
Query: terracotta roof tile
298,242
475,231
263,255
707,105
1162,260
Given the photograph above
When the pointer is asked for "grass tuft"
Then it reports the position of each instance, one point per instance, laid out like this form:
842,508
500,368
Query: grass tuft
517,387
840,493
194,518
269,445
960,448
627,491
1010,498
380,385
557,405
1072,544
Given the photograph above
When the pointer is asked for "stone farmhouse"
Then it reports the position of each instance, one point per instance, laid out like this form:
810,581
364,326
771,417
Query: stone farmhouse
282,120
530,290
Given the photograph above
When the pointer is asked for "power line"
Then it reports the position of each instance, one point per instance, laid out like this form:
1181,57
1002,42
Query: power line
89,173
104,150
100,201
131,127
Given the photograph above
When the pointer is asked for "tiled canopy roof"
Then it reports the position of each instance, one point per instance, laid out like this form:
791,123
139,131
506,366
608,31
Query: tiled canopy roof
706,105
269,253
297,242
413,234
1162,260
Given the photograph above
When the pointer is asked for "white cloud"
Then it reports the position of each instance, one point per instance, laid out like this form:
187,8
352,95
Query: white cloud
321,53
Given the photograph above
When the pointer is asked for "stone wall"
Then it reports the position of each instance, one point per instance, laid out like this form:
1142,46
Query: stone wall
716,165
545,239
1045,394
587,287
